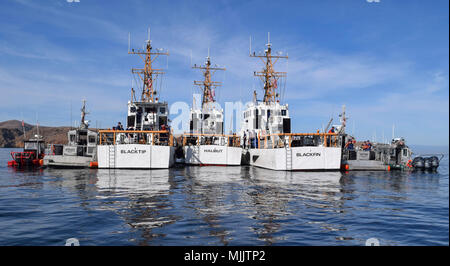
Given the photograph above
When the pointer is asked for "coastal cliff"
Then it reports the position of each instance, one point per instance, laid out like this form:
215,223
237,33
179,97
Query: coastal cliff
11,133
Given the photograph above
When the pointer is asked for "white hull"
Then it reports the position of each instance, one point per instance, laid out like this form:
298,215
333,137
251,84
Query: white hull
67,161
142,156
369,165
297,158
212,155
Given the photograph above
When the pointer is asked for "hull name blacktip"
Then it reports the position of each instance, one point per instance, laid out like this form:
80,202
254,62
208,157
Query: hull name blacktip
132,151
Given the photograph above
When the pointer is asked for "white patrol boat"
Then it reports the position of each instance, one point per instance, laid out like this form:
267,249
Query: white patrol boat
80,151
266,130
206,144
147,141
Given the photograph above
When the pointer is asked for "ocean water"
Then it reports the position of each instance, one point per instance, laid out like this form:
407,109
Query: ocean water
222,206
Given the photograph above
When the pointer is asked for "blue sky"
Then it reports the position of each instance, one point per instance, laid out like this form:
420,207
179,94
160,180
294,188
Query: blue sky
387,61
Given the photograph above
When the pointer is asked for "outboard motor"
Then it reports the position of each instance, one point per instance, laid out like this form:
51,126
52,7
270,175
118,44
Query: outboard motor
418,163
434,162
427,163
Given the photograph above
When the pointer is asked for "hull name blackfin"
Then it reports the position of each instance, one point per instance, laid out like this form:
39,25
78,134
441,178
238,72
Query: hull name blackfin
266,128
308,154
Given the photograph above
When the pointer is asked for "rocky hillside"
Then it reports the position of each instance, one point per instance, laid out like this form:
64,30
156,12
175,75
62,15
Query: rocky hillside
11,133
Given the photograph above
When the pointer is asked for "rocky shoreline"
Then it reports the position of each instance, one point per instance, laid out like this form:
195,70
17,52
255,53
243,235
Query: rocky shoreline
11,133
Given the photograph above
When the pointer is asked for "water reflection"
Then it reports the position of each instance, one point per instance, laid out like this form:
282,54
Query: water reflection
213,193
318,186
222,206
132,182
400,182
140,197
269,199
217,205
277,196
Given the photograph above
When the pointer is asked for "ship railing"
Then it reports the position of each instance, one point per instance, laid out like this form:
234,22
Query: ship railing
211,139
149,137
289,140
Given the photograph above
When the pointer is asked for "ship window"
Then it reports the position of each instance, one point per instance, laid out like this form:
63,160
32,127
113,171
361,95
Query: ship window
30,146
162,110
130,121
283,112
205,116
405,152
150,109
91,139
72,138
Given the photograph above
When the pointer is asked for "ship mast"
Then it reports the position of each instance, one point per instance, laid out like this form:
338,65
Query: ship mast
343,120
268,75
83,123
148,74
208,86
